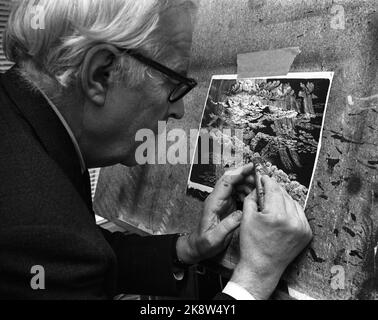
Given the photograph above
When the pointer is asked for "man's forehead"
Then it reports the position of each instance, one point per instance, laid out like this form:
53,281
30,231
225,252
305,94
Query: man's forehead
176,24
177,27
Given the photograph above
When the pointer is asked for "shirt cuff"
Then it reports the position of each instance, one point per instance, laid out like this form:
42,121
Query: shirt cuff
179,275
237,292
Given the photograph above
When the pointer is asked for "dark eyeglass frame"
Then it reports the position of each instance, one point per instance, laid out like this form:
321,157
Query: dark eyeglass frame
185,84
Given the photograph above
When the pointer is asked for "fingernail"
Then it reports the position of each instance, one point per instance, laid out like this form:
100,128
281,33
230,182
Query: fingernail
238,214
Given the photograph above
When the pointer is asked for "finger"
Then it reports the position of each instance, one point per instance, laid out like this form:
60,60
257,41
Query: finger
306,224
302,215
250,203
224,187
241,197
228,225
291,208
300,209
286,194
240,174
244,189
273,196
250,180
294,203
290,203
227,239
269,185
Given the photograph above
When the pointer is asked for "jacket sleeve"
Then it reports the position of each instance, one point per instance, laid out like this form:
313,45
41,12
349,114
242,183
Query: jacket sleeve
68,265
145,264
223,297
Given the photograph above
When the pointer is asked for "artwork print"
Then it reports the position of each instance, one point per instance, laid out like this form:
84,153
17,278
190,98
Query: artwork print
281,119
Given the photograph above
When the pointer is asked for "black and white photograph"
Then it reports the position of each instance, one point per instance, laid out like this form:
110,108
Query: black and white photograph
187,158
281,121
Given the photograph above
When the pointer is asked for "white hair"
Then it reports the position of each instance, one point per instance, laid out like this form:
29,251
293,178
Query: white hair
72,27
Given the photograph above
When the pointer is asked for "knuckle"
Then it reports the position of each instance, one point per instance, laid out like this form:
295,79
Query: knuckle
226,180
236,215
296,226
305,233
206,242
309,233
280,222
219,203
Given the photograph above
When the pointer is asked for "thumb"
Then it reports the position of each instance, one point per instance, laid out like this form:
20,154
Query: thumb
229,224
250,203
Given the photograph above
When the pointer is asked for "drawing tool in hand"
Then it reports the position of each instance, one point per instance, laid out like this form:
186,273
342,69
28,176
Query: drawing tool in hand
260,170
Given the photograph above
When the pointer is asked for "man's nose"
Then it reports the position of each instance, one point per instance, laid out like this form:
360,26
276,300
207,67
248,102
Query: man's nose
177,110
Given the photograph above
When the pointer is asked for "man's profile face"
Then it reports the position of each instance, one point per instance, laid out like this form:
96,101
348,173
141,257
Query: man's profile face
129,111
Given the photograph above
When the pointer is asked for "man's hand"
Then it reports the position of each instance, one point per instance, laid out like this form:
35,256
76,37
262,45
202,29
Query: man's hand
269,240
219,218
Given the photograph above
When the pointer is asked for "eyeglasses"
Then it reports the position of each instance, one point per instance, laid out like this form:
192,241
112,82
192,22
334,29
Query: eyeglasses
184,86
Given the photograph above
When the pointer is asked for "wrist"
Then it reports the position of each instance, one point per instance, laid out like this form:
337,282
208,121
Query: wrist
260,285
185,250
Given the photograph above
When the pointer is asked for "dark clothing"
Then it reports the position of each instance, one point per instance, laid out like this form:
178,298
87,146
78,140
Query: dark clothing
46,216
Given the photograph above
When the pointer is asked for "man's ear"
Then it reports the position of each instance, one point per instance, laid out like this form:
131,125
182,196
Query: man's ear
95,72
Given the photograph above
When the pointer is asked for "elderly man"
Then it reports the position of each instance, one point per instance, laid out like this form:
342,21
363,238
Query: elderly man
81,88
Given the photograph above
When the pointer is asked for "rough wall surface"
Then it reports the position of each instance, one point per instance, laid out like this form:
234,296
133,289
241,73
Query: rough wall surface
343,206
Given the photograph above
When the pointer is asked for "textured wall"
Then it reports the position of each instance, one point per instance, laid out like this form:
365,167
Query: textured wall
343,207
